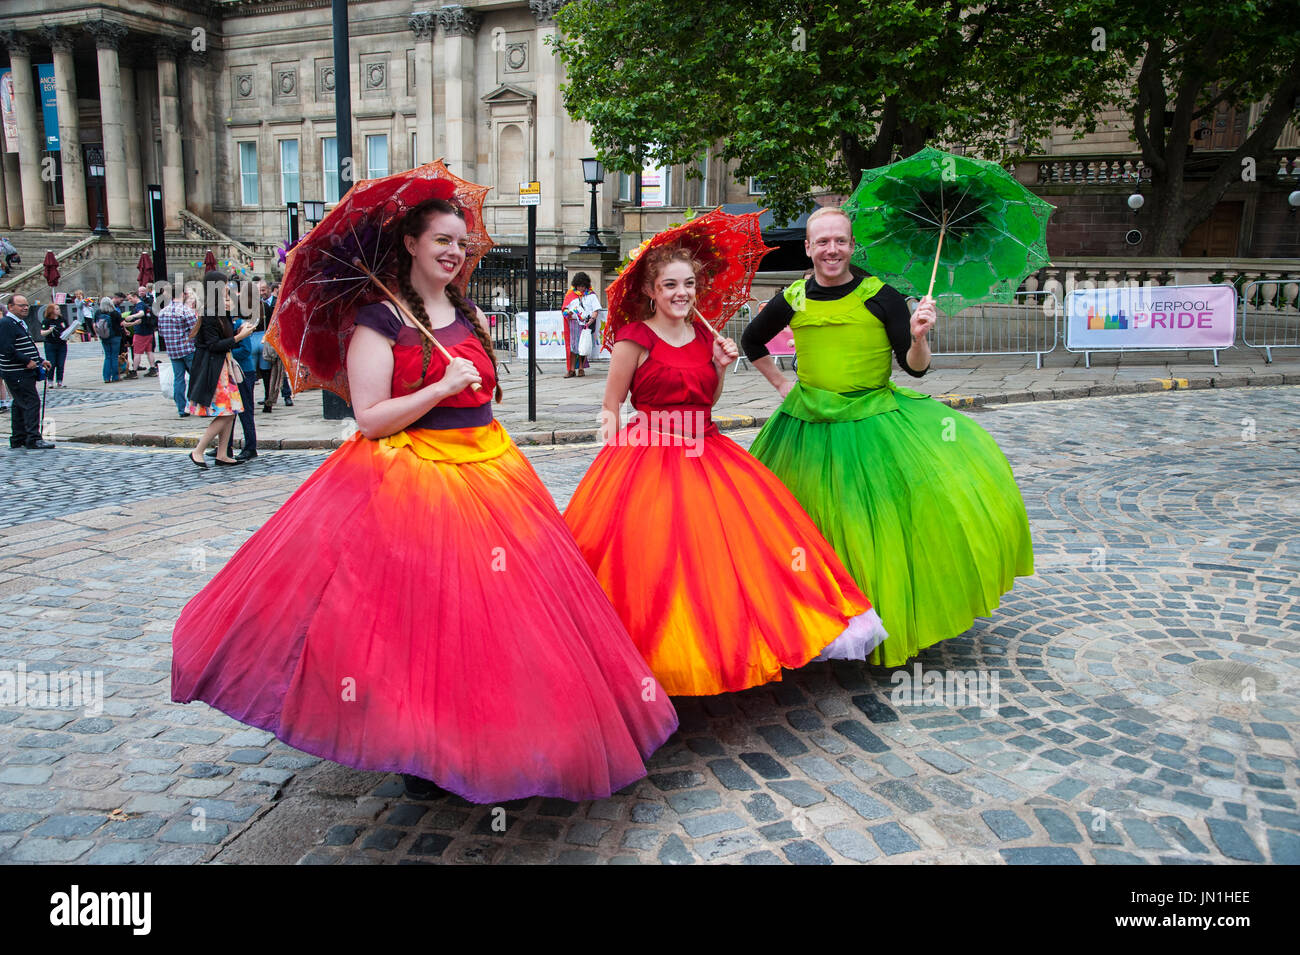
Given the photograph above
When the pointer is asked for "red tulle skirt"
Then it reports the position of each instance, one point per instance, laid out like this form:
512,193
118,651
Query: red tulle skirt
719,575
418,606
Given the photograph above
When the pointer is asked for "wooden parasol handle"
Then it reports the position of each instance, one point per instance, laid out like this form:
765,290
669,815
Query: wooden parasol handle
935,271
716,334
401,306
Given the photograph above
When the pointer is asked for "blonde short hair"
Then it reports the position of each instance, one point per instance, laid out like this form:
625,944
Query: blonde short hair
829,211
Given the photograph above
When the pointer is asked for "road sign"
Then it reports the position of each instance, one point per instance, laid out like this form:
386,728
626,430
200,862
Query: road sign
530,193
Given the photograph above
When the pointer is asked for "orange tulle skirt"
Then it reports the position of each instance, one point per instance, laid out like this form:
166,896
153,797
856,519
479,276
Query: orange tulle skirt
721,578
419,606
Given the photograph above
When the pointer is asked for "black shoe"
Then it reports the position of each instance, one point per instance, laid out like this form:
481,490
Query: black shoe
266,409
288,402
419,788
229,464
197,464
210,453
246,455
182,414
41,445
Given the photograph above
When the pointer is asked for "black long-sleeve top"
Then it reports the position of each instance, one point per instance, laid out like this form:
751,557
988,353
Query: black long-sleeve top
888,305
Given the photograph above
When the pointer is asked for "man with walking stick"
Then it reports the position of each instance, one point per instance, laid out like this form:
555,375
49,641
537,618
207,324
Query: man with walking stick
20,366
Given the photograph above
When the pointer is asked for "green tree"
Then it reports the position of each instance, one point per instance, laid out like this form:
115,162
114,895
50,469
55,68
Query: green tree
808,94
1185,61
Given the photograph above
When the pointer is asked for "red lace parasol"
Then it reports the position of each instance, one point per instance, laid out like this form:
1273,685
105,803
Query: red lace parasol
332,271
728,247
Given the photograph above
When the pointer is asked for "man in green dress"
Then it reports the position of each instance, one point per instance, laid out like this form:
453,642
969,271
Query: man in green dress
917,499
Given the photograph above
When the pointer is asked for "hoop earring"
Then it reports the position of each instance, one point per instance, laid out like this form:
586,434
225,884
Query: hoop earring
653,306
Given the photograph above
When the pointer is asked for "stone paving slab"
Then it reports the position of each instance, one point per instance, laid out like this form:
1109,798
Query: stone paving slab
1147,706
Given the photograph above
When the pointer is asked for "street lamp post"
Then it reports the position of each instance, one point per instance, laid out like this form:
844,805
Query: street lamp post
95,165
313,211
291,210
593,173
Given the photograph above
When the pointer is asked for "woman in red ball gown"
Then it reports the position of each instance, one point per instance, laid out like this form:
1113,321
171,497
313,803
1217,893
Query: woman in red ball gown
418,605
720,576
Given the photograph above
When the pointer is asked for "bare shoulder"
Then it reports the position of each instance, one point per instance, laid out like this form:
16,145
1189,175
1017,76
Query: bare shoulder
482,320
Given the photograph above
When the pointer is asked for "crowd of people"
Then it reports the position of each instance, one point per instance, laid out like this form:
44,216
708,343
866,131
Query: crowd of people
135,335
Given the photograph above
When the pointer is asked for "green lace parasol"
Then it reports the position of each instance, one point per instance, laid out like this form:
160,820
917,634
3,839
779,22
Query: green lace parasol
960,227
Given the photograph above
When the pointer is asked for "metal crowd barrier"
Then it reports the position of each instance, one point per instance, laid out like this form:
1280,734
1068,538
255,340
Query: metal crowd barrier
1269,314
503,336
1030,325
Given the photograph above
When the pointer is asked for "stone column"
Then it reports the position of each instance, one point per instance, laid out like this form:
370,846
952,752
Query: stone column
422,25
75,210
13,191
552,171
460,25
108,36
30,136
132,127
169,117
198,134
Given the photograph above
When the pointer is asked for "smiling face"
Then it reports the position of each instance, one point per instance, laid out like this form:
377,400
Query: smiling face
673,291
440,250
829,243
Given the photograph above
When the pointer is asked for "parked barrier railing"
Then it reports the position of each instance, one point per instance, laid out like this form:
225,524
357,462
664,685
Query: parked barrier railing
1269,314
1029,325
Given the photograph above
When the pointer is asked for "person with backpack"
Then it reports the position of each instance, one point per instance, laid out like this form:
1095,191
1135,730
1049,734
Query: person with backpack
108,326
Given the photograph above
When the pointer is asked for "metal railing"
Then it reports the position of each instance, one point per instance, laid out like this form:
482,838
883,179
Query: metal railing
502,325
1269,314
1029,325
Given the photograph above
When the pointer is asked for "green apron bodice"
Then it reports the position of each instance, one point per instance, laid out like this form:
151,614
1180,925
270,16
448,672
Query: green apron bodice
845,357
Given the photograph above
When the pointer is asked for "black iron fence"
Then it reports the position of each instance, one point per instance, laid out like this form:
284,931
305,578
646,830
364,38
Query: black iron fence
500,284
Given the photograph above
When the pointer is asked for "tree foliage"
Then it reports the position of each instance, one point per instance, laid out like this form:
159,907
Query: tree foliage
808,94
1188,60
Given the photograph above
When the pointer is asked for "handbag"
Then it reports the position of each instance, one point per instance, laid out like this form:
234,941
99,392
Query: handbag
232,367
584,343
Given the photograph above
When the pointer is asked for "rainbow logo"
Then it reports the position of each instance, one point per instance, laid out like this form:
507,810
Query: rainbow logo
1107,322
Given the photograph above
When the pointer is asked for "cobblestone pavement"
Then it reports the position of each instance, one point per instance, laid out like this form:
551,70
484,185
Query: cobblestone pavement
136,412
1147,680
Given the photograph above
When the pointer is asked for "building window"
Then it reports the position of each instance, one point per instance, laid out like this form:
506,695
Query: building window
248,173
289,170
627,187
757,187
415,149
376,157
329,152
703,167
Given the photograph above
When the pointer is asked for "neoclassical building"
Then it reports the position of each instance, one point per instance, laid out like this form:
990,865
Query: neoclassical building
228,106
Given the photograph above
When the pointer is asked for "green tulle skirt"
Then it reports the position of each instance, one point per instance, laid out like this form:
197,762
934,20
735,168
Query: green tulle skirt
916,498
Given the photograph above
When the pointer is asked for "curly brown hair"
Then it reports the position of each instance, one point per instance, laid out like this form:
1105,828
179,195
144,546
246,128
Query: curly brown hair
414,223
655,261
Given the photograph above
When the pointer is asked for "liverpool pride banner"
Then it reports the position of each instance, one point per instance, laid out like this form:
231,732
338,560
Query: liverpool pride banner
1168,316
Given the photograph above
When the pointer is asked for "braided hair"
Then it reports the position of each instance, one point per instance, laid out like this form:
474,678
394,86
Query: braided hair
414,223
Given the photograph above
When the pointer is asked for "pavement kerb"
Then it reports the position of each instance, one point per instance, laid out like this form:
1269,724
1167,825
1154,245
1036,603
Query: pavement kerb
733,422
